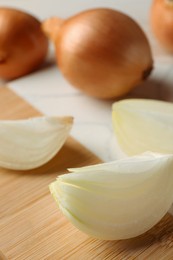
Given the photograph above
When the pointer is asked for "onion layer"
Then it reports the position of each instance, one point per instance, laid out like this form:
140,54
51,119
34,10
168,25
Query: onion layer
23,45
102,52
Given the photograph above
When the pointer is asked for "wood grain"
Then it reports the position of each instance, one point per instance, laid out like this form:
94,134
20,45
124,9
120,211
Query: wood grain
32,227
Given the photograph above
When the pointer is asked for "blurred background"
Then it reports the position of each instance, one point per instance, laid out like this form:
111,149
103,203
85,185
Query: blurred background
139,10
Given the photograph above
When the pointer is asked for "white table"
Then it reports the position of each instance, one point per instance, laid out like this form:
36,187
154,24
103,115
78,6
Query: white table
49,92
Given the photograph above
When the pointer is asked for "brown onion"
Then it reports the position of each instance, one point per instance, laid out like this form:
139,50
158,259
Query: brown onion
102,51
162,22
23,45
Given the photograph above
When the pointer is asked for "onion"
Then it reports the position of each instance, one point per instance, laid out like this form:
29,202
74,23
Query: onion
162,22
117,200
35,141
102,52
143,125
23,45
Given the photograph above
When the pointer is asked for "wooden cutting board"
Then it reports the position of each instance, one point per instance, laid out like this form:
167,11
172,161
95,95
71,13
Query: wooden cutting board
31,225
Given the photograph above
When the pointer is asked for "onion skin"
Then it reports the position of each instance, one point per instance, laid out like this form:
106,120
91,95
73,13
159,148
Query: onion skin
101,52
23,45
162,22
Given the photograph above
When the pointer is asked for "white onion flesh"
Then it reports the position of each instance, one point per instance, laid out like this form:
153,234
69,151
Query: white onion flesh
117,200
30,143
143,125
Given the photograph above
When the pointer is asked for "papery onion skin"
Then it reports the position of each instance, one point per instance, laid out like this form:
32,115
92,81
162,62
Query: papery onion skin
162,22
102,52
23,45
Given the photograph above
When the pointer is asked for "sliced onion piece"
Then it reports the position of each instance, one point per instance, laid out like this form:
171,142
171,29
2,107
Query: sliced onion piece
117,200
143,125
30,143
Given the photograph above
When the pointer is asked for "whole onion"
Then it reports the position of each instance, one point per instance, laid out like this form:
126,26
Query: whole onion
23,45
102,52
162,22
